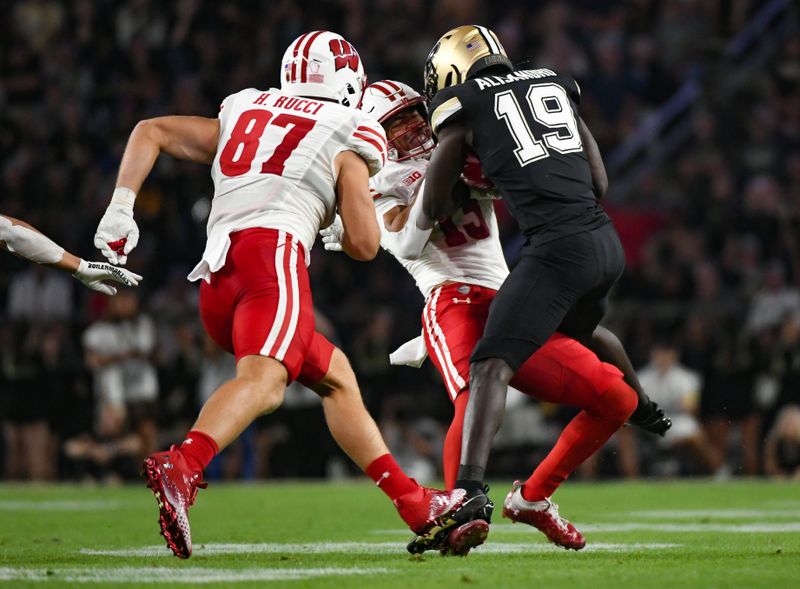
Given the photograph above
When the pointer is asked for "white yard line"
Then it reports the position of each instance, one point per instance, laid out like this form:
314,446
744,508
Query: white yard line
748,528
722,528
190,575
754,514
77,505
785,503
358,548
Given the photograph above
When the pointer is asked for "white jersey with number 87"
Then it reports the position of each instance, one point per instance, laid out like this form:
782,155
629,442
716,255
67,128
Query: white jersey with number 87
274,166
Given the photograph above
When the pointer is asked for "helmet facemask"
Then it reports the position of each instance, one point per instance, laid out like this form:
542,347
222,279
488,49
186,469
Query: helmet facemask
409,135
431,76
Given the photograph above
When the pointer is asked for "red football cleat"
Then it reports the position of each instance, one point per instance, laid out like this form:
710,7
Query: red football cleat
436,515
421,509
544,516
466,537
175,486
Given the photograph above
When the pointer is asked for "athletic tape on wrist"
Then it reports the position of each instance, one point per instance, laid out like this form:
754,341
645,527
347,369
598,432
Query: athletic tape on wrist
123,196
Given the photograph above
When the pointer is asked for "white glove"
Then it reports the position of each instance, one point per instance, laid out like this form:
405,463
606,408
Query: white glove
92,274
332,235
484,194
117,233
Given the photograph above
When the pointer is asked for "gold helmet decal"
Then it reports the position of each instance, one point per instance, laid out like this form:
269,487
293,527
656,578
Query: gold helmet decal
461,53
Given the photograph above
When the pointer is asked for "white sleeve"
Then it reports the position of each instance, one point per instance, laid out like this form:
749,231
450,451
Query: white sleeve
409,242
225,104
29,244
225,108
369,141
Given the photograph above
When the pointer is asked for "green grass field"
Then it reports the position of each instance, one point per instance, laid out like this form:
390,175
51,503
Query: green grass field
643,535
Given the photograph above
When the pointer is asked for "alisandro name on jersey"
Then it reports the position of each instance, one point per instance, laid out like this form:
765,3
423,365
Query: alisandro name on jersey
494,81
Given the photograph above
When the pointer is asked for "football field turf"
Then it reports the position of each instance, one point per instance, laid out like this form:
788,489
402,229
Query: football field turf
640,535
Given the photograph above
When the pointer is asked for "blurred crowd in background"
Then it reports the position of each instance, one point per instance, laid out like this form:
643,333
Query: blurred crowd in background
709,307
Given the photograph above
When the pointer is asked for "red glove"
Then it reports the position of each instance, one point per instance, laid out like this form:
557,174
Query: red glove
473,174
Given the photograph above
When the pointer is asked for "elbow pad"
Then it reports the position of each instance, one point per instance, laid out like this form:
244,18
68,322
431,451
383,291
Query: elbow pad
29,244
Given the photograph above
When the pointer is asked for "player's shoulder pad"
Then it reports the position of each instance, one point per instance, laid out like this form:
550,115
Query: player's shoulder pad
247,94
368,140
447,107
396,179
227,102
225,105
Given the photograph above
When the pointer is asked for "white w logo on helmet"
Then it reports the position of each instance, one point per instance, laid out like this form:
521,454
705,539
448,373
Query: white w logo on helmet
322,64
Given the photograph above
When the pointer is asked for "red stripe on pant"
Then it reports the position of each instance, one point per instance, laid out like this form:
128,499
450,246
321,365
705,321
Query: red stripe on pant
439,350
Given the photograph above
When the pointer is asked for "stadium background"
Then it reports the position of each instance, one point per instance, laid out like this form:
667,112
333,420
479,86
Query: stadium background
695,105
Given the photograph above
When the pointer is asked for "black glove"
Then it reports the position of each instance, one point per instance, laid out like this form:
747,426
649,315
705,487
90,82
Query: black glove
651,419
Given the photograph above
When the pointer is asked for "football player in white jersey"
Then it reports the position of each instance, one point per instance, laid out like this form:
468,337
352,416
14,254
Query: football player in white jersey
458,265
23,240
283,163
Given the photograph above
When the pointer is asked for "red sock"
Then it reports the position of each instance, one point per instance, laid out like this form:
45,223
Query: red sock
198,449
582,437
390,478
451,455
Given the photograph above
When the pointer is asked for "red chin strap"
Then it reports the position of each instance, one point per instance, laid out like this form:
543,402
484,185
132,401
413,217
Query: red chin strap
418,138
364,85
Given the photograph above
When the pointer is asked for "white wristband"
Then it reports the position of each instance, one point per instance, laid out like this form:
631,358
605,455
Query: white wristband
124,197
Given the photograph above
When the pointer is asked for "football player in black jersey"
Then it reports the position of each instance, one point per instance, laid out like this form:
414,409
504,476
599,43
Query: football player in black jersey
524,127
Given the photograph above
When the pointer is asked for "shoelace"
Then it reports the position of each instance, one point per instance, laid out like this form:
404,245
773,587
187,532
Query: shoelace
560,521
195,484
439,501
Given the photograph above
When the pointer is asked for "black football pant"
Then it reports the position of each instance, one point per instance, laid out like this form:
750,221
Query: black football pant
561,285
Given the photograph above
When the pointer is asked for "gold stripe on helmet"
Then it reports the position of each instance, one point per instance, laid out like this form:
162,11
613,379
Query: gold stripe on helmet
443,112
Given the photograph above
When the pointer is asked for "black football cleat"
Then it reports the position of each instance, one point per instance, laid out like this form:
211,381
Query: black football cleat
478,506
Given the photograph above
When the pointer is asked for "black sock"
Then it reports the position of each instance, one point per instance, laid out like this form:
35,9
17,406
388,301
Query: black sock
470,477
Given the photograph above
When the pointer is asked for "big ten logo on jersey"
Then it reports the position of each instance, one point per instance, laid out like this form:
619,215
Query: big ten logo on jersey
468,223
412,177
344,54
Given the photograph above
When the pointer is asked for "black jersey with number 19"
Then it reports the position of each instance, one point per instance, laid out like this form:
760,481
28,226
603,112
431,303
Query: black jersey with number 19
525,132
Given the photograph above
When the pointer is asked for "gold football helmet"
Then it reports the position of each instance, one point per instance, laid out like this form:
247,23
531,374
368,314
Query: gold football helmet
461,53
